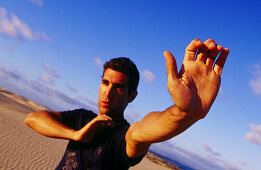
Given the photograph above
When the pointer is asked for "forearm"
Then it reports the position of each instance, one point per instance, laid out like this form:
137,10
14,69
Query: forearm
49,125
161,126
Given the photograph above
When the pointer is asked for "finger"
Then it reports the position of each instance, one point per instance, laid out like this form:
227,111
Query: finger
107,117
204,51
103,116
218,67
201,55
107,120
211,46
191,49
171,65
212,55
101,119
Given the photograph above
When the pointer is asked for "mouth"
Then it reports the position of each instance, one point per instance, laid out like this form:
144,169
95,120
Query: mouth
105,104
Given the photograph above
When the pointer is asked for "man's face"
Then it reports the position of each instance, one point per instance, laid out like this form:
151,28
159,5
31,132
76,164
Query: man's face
113,94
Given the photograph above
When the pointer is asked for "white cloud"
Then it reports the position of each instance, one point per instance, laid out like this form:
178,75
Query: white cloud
43,91
132,116
254,135
12,27
243,163
71,88
98,62
47,79
212,160
255,83
148,76
37,2
12,75
51,71
211,151
41,35
6,25
22,27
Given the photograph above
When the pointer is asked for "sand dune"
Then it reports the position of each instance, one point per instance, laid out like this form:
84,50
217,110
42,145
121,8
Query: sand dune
12,101
22,148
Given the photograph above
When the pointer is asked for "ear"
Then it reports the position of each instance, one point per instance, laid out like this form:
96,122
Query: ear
132,96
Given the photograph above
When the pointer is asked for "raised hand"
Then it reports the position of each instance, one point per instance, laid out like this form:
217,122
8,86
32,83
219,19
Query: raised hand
89,131
195,87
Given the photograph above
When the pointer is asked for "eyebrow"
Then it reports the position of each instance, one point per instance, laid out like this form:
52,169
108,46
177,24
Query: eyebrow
104,80
121,85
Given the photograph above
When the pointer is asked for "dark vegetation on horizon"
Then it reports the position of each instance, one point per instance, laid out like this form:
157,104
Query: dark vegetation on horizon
166,161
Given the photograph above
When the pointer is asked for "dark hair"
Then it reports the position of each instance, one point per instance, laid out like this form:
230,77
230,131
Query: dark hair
127,67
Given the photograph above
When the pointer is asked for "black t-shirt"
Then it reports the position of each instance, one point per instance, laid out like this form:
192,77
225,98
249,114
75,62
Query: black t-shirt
106,152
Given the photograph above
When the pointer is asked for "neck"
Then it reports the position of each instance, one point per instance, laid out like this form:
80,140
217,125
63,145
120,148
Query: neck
116,117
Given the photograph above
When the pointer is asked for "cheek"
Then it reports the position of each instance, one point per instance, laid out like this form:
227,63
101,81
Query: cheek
100,92
123,99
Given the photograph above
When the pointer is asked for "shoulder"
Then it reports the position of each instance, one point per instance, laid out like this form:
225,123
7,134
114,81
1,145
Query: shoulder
78,112
77,118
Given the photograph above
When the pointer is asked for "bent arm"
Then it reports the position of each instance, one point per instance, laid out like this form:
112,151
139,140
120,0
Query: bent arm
49,124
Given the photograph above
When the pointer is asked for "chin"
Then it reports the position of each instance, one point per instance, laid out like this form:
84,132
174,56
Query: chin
104,111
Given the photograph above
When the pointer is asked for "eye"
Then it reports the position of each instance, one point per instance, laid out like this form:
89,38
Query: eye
105,82
121,87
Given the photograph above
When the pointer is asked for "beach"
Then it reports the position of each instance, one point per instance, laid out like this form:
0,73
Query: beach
22,148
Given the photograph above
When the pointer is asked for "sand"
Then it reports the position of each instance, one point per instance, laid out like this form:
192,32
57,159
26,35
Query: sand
22,148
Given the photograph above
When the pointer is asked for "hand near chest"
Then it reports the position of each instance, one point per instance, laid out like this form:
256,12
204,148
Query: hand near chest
93,128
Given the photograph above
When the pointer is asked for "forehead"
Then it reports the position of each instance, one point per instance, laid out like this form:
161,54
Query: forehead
115,76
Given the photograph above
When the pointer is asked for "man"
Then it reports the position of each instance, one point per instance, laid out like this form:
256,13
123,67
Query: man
106,140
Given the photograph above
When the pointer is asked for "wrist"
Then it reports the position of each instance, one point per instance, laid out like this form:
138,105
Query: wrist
76,136
180,115
71,134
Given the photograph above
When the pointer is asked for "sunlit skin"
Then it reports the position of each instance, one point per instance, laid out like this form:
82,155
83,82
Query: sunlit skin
114,94
193,90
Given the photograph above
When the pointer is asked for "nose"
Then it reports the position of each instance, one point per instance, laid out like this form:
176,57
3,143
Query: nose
109,92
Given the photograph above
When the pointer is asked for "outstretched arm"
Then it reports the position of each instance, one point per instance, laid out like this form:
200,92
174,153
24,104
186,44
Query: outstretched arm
193,90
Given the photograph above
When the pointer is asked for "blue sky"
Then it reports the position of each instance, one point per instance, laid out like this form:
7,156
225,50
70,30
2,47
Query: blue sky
53,51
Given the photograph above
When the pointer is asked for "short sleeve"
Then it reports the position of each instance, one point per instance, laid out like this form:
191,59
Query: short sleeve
122,147
77,118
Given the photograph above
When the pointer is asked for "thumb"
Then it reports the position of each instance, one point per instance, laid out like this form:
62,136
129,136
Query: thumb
171,66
